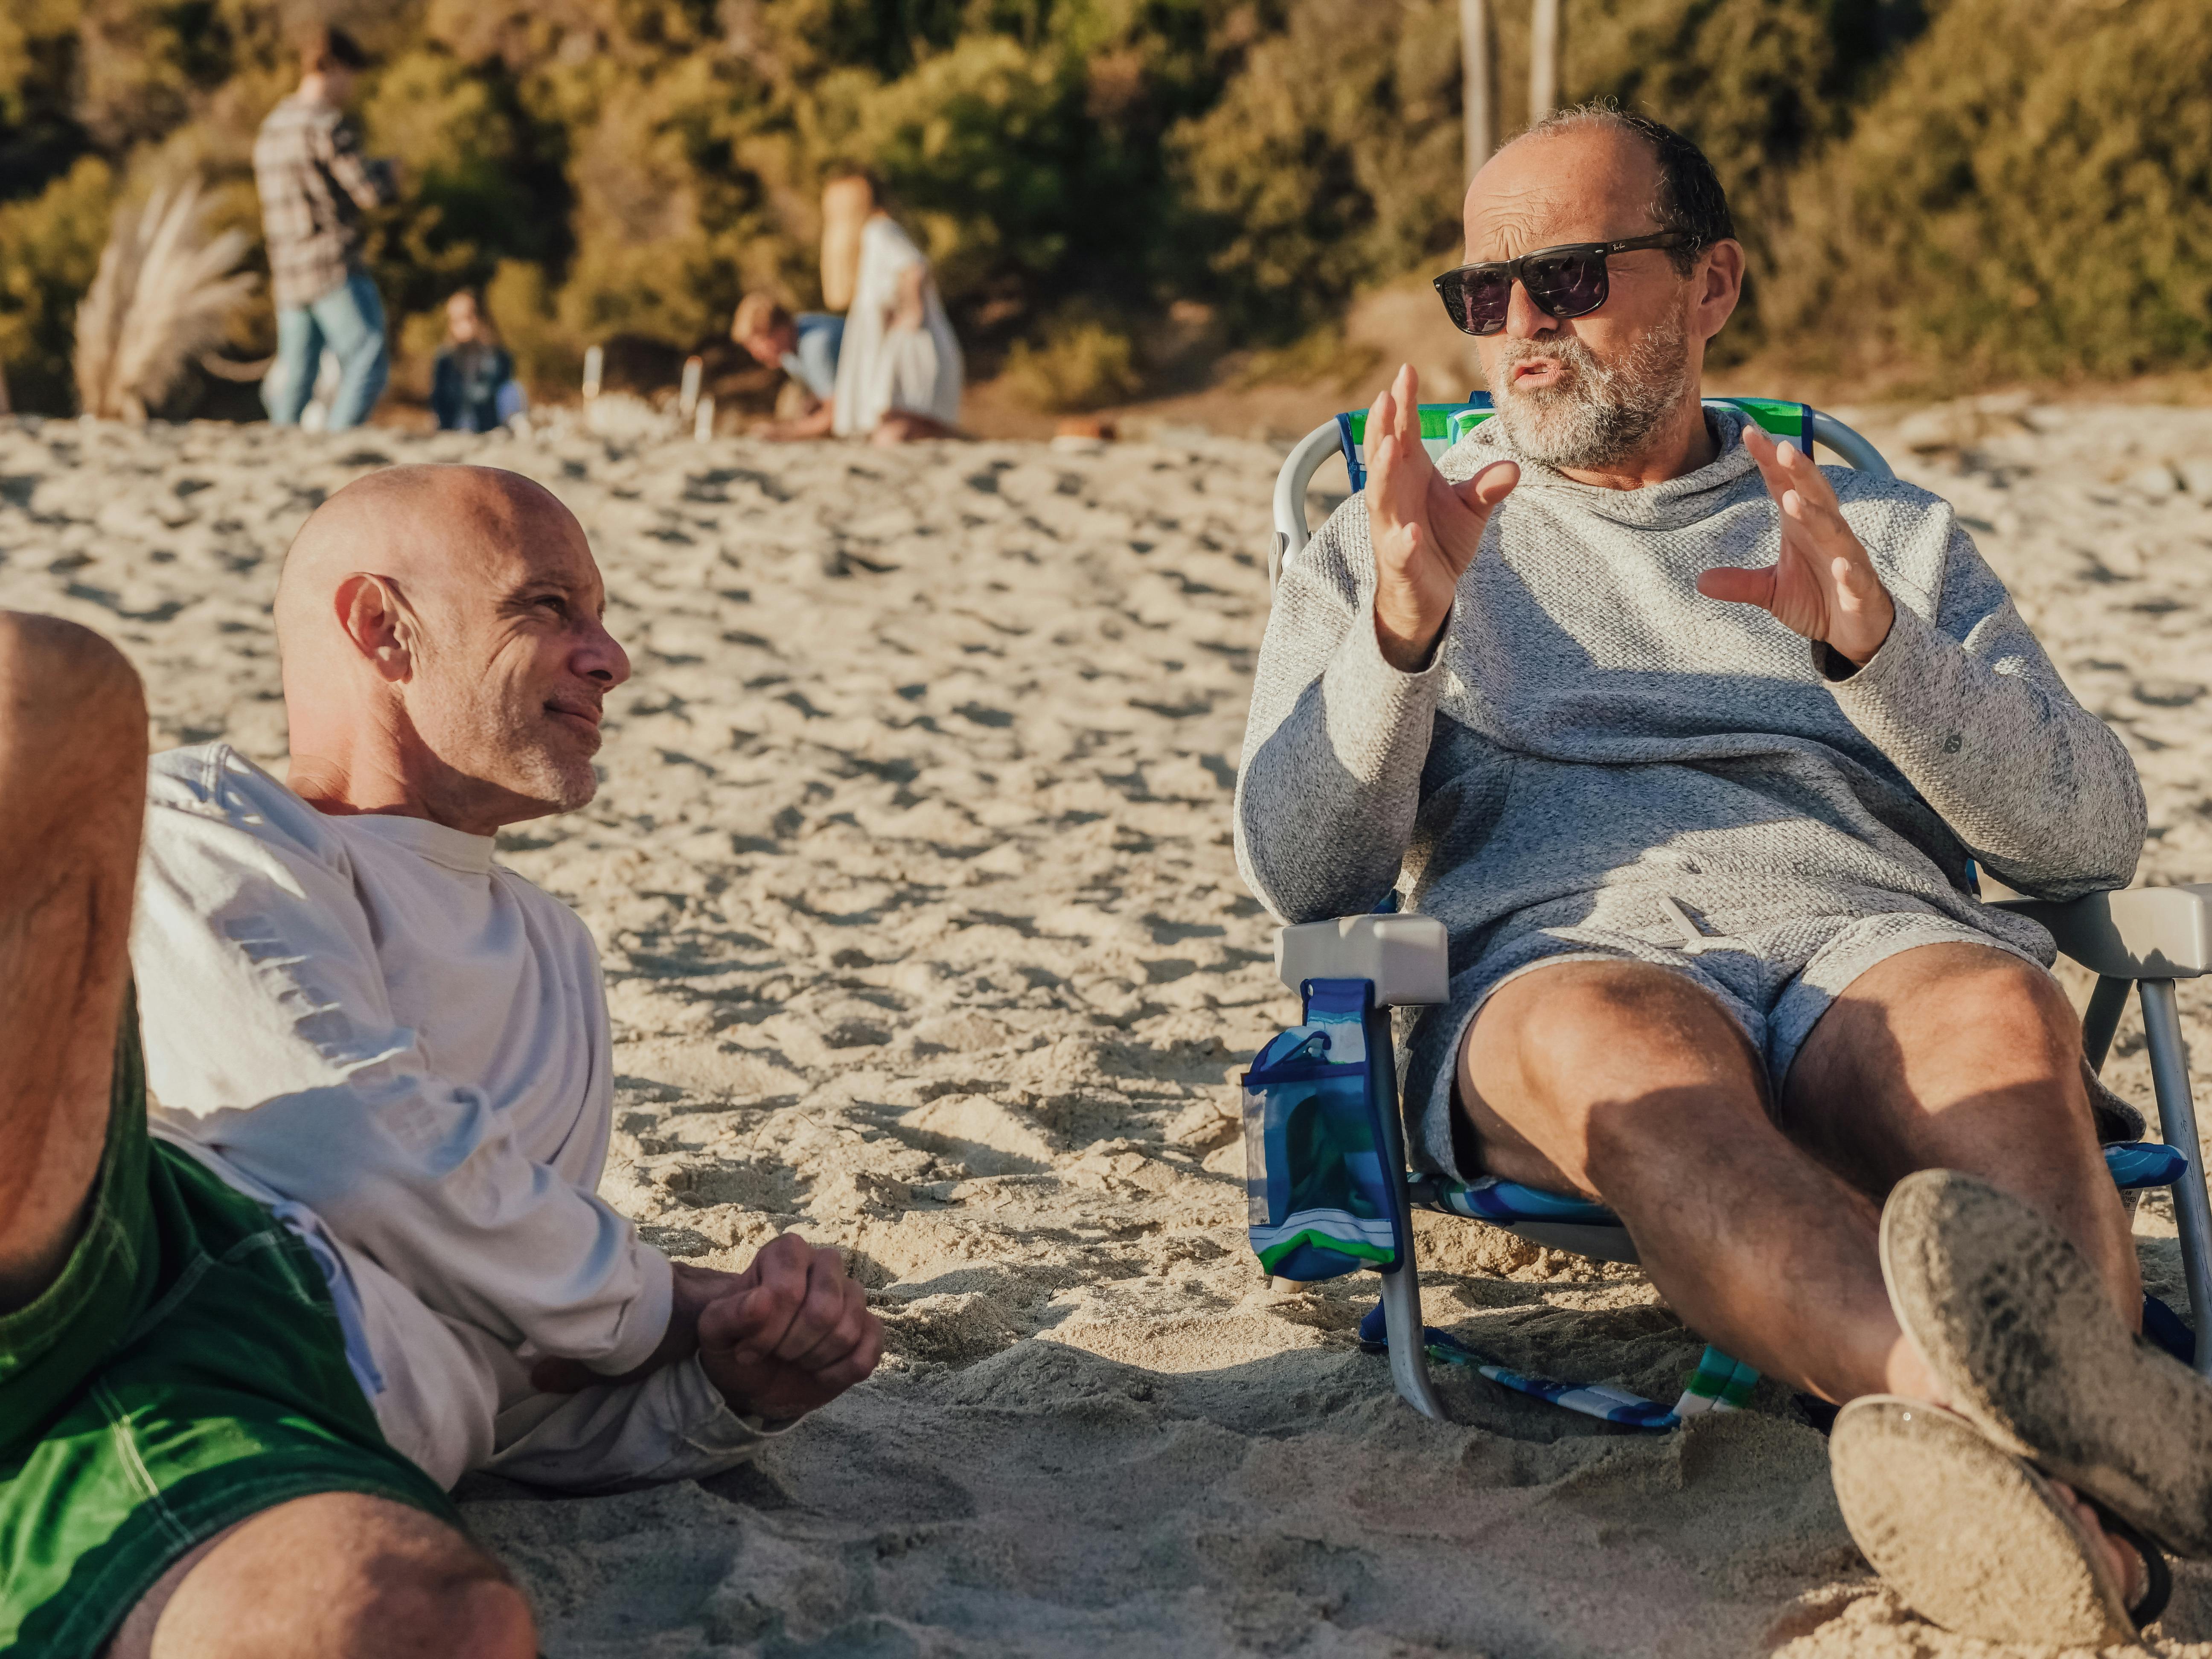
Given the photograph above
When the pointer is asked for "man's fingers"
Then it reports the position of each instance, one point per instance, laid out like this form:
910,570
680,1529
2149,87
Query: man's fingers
799,1299
1488,487
1381,422
853,1322
756,1319
819,1310
855,1365
1739,587
1406,393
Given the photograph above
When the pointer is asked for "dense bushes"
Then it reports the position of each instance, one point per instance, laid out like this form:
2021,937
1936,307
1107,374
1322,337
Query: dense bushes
2030,195
2002,186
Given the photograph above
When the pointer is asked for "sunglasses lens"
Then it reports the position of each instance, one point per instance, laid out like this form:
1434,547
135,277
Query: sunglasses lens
1476,299
1567,284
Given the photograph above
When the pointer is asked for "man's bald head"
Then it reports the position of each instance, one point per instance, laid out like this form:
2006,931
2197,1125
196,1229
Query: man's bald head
443,652
1591,394
422,525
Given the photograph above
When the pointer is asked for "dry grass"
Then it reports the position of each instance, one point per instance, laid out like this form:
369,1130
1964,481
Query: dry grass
163,296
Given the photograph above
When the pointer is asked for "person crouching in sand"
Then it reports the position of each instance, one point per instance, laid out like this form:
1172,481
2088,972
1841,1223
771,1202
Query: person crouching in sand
1618,669
361,1254
899,367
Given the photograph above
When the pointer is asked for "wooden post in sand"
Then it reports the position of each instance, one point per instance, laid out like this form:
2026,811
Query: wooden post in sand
687,396
1544,60
1475,74
593,358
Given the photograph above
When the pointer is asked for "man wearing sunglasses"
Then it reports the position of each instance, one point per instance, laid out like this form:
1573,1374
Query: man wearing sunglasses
1694,746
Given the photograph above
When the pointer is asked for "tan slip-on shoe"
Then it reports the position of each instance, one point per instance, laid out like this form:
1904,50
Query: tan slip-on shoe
1972,1538
2021,1333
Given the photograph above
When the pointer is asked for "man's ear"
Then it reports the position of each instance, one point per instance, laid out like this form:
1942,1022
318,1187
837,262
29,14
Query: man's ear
1718,286
377,623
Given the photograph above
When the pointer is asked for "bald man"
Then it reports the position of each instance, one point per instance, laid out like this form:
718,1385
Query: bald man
382,1060
1694,746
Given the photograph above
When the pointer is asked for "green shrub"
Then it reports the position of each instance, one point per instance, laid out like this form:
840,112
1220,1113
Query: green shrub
2030,195
545,356
1083,362
49,251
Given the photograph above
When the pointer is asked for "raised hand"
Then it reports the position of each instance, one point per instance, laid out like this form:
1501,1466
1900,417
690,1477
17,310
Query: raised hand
1425,532
1821,584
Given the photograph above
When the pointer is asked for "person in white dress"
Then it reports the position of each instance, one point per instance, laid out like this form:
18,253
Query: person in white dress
899,370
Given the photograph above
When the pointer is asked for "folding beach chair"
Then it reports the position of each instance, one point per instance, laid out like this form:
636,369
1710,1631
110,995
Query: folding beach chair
1329,1187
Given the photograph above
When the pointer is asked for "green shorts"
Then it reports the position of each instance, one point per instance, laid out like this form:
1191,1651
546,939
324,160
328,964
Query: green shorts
184,1371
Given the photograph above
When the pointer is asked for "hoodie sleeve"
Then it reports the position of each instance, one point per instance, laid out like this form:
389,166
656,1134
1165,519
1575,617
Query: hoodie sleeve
1965,703
1333,747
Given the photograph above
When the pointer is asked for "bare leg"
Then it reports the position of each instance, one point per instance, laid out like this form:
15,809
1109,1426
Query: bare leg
903,426
1630,1082
73,774
1964,1057
337,1574
342,1576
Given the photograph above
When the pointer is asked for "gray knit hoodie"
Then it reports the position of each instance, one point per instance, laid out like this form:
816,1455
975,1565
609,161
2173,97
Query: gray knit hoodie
1595,739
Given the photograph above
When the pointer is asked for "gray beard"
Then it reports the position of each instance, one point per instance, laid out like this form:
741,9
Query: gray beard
1599,413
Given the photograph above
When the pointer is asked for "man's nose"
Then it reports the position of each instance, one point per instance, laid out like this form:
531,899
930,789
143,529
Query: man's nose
600,657
1524,319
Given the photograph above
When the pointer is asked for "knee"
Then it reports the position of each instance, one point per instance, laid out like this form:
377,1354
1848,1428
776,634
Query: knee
64,685
464,1610
2017,1004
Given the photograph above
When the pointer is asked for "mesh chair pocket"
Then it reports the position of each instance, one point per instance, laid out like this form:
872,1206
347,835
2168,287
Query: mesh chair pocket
1319,1194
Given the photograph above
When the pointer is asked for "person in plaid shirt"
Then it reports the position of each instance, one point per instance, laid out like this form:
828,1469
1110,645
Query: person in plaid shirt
314,183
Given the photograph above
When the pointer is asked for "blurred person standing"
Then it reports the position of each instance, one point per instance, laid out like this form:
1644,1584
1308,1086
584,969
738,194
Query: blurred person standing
473,383
899,369
805,347
314,183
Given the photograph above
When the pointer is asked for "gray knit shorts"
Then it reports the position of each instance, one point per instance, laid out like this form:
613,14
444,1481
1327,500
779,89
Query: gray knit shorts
1775,981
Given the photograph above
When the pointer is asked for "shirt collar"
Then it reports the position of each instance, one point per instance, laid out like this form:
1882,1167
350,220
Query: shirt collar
451,849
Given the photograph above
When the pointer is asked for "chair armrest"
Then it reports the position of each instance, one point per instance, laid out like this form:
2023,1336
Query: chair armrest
1408,958
2143,933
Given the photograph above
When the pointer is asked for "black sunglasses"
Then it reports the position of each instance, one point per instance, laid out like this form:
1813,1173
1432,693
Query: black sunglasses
1569,280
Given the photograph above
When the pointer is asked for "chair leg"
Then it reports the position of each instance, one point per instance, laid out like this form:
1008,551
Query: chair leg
1409,1350
2177,1118
1402,1289
2106,1004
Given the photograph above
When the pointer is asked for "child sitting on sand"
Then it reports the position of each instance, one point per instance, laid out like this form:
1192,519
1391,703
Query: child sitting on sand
473,383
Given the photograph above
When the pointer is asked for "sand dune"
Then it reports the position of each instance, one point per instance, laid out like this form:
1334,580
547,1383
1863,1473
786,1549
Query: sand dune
923,935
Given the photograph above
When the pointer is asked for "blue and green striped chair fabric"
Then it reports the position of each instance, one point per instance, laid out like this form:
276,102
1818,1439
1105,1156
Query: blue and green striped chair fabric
1444,425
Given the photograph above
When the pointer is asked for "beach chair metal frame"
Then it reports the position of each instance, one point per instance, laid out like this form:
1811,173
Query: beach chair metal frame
2143,939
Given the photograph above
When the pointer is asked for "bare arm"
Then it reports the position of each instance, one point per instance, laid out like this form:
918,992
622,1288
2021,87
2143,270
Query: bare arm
371,183
907,311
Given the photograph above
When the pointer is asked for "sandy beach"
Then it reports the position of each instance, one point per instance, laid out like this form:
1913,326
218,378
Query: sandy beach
911,873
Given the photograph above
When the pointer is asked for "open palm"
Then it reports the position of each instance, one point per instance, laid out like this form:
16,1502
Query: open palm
1822,584
1425,532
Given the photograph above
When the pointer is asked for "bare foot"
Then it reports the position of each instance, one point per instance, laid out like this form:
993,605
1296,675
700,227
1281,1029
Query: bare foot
2127,1563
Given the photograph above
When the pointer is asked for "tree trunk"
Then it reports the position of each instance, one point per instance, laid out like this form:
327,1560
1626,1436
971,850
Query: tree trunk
1475,69
1544,60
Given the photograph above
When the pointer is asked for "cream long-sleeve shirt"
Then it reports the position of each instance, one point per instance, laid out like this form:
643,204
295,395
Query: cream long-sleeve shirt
403,1046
